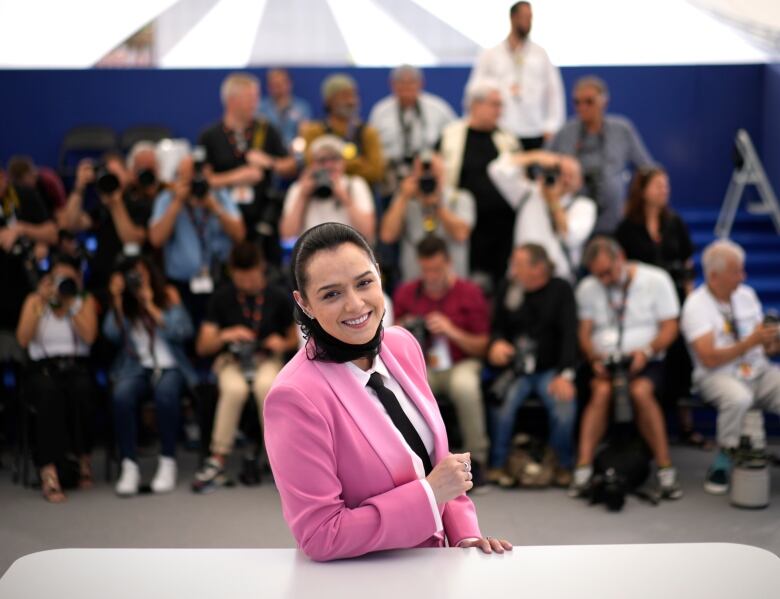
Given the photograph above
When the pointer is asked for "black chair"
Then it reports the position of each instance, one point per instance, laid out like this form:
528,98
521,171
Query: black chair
133,135
86,141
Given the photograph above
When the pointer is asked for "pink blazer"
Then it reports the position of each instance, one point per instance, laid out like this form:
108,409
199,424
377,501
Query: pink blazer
347,482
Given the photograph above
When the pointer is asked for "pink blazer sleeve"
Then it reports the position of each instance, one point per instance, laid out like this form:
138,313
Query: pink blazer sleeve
301,449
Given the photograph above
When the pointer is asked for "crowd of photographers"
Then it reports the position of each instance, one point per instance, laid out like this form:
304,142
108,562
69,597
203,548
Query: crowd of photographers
505,239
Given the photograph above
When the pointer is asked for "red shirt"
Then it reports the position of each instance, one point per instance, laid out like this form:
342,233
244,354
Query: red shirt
464,304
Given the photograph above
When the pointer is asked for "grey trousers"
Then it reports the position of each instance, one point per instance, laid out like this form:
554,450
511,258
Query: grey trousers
733,397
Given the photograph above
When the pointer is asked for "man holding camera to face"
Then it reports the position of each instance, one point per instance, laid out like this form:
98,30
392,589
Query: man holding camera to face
126,193
324,193
628,318
449,317
250,326
730,337
550,210
196,227
534,341
424,205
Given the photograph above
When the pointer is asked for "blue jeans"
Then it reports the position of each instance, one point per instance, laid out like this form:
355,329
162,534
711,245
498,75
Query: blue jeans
562,415
128,391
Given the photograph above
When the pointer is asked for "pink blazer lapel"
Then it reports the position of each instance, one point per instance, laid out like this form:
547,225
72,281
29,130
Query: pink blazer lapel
369,420
417,395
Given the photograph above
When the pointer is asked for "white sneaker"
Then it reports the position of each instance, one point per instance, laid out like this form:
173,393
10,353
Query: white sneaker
129,479
164,480
580,480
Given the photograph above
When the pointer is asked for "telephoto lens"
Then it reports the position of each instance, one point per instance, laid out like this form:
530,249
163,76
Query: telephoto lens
323,186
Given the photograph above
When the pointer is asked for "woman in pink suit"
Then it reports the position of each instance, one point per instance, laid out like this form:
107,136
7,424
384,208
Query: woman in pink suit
353,432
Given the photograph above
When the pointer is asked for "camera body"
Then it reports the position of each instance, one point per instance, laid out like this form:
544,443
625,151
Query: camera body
772,319
67,287
133,281
426,183
592,184
549,175
106,182
245,353
199,186
323,184
416,326
523,364
618,364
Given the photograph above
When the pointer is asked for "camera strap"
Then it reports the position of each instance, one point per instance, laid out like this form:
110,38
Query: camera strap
200,224
407,125
253,314
619,309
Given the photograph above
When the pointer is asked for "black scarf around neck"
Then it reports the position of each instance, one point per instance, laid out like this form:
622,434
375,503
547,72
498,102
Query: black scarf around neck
323,346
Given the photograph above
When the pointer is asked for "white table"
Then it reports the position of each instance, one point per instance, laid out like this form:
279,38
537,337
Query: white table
685,571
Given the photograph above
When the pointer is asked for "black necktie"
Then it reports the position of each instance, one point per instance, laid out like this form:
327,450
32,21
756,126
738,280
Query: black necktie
400,420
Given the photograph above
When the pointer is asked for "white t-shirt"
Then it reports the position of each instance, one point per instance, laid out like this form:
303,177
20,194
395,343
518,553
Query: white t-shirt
55,337
650,300
329,210
163,358
703,314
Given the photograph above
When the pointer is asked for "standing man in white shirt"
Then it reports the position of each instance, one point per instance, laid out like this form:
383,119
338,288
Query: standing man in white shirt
409,121
532,88
723,323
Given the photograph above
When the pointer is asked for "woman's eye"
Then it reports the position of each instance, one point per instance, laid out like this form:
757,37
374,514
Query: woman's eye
365,282
330,295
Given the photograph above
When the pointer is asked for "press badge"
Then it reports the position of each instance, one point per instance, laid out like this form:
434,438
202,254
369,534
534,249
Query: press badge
243,194
608,338
202,284
439,357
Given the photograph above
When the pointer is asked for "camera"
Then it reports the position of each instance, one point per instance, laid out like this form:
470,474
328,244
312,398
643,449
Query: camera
244,353
609,488
146,178
591,186
549,174
199,186
323,186
416,326
772,319
66,287
133,281
618,365
523,363
427,181
106,182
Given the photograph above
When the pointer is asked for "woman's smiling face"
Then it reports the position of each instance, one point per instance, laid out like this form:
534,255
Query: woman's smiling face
344,293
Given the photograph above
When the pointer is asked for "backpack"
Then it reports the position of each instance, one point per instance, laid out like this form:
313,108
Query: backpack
620,468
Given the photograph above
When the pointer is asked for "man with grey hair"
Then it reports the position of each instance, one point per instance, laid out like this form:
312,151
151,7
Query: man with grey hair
605,145
362,146
531,86
467,147
246,155
410,120
723,323
628,318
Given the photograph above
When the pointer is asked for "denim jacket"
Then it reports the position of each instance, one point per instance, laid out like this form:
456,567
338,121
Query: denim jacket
176,329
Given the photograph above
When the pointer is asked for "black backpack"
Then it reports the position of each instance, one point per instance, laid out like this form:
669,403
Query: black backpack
620,468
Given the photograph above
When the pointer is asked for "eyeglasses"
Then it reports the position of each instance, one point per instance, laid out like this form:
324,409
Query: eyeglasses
327,159
590,101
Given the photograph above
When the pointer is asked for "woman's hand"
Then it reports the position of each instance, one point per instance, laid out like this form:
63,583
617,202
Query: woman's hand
451,477
489,545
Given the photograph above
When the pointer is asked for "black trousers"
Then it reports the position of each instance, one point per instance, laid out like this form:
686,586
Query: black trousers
531,143
64,401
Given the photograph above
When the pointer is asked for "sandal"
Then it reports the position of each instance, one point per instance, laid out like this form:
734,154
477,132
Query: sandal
50,486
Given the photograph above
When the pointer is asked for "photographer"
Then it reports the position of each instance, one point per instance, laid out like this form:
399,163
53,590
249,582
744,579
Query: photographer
325,194
449,317
246,154
628,318
150,325
250,325
534,339
730,338
120,216
604,144
196,227
424,206
57,326
25,232
550,211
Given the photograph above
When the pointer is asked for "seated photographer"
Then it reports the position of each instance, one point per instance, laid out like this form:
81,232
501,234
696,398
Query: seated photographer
196,227
126,195
550,211
423,206
449,318
150,325
729,338
628,318
26,231
362,146
250,325
409,122
324,193
534,339
57,326
467,147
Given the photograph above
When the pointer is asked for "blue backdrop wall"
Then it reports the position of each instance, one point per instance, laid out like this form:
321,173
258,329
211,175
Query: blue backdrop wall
687,115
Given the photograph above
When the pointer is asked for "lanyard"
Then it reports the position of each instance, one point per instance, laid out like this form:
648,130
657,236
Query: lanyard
729,316
200,224
619,309
253,137
255,313
407,126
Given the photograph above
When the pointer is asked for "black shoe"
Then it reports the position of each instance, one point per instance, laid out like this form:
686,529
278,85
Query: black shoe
250,472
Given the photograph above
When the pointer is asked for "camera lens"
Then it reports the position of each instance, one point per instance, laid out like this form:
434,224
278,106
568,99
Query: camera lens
67,287
323,188
147,178
106,182
199,187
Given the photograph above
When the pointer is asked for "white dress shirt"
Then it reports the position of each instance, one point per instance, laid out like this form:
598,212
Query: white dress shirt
531,88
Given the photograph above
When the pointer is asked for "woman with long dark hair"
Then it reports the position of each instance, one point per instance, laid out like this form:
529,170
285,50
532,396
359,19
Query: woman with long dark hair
353,433
149,323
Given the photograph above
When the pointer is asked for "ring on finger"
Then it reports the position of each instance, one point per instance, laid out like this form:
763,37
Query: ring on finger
467,466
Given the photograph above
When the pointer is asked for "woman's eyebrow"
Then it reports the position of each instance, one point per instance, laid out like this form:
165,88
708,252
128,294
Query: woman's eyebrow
333,285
